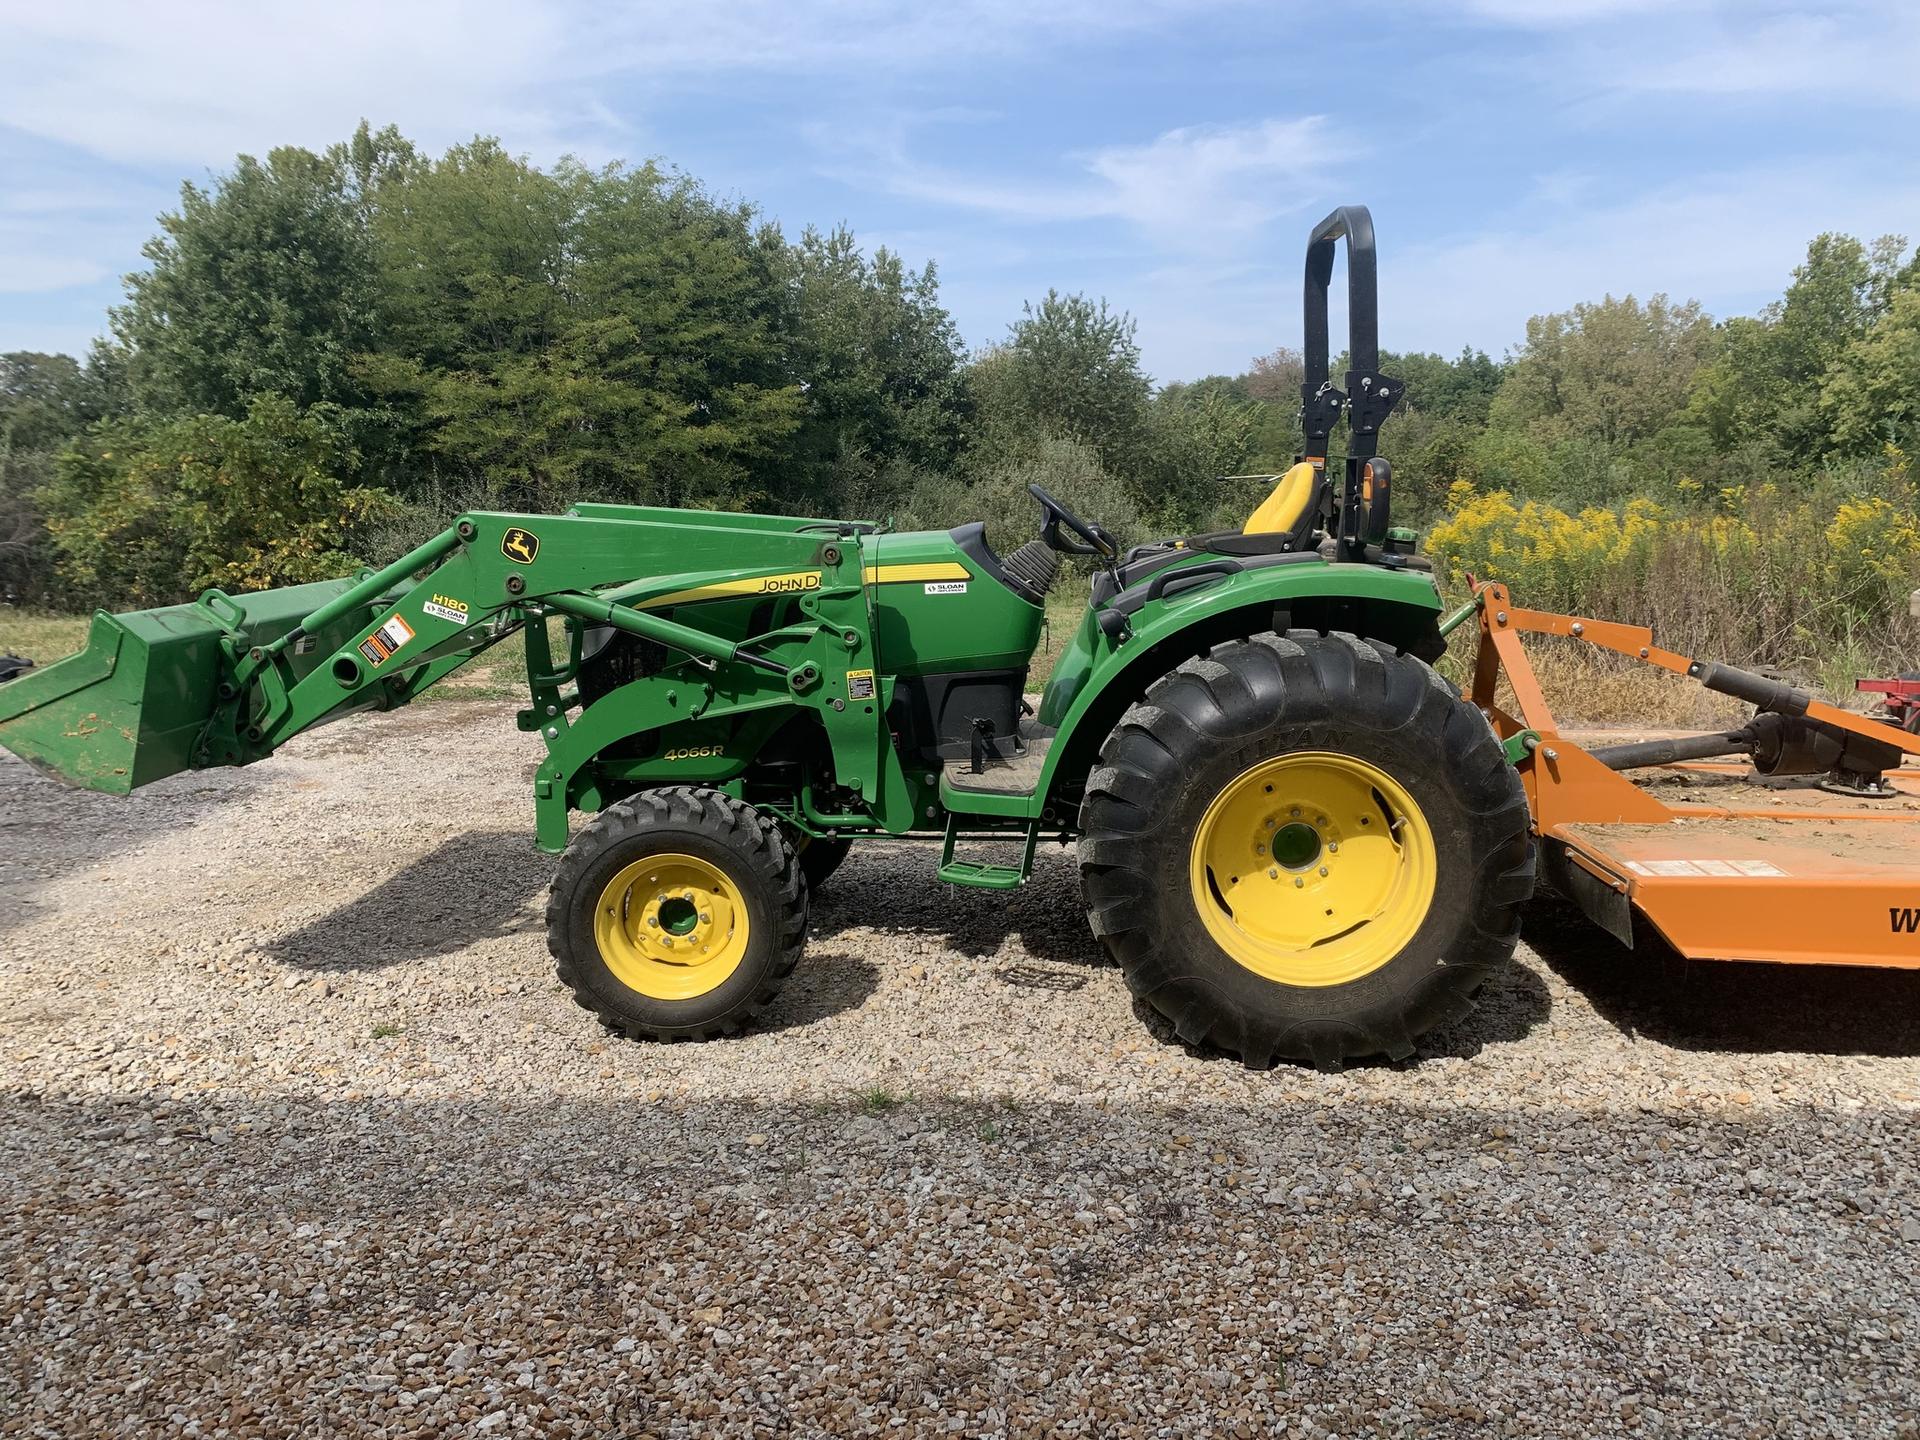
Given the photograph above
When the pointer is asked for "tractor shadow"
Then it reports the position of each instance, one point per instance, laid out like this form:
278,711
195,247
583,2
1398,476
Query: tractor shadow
1506,1010
891,890
477,886
489,885
820,987
1652,993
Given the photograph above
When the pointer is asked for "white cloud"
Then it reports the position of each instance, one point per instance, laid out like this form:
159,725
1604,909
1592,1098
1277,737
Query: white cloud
1868,54
1228,177
1842,50
1198,187
1557,14
199,80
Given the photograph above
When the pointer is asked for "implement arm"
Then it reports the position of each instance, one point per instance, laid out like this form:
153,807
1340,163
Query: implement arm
227,680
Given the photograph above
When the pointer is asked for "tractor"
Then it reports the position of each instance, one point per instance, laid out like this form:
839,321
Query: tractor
1294,837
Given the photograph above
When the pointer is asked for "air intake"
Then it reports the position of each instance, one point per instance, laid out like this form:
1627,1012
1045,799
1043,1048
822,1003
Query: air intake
1031,569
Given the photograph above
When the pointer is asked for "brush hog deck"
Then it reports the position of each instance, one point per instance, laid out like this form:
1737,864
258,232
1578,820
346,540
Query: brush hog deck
1724,861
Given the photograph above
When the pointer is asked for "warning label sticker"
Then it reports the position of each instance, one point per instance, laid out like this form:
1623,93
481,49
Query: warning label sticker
1726,869
859,684
378,647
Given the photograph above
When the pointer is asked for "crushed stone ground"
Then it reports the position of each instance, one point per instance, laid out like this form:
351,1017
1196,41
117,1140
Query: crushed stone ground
301,1137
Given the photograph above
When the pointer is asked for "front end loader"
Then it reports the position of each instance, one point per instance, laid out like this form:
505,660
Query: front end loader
1295,838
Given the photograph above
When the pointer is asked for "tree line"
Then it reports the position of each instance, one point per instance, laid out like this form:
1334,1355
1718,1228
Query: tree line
329,354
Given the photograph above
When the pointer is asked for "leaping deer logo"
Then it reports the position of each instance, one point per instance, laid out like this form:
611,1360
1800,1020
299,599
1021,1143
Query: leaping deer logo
520,545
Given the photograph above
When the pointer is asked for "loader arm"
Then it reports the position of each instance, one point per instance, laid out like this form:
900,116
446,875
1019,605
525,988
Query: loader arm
250,673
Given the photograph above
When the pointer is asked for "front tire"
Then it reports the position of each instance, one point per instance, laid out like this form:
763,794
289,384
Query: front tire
677,914
1305,847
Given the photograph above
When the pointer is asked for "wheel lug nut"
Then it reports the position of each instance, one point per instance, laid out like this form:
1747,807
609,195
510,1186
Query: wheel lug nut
1299,883
705,919
667,940
1323,869
1333,847
1259,849
1273,874
654,921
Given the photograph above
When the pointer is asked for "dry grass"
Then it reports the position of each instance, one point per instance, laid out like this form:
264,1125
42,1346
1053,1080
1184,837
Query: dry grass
41,637
1590,687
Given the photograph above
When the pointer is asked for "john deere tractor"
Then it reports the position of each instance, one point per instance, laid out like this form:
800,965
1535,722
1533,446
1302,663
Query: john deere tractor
1294,838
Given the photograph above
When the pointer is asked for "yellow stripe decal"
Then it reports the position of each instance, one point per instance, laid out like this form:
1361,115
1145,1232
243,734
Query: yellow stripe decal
795,582
791,583
907,574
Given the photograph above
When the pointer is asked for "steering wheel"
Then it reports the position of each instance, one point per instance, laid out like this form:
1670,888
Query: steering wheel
1098,542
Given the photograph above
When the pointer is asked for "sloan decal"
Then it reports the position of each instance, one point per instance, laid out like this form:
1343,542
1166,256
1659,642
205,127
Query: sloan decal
946,587
445,607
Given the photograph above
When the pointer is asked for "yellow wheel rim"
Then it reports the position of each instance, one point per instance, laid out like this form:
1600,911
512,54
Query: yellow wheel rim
1313,868
671,926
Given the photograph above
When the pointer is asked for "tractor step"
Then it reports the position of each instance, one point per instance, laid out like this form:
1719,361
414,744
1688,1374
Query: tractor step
978,874
981,877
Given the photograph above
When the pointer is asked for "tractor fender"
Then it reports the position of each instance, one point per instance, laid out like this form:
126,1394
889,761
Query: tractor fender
1401,607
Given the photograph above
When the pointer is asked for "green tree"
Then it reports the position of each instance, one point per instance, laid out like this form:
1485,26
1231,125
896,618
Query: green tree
1073,370
1616,372
879,357
45,400
1460,389
260,284
146,513
1871,396
1765,384
613,333
1198,435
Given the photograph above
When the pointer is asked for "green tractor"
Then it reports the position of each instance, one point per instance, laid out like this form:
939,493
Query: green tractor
1294,838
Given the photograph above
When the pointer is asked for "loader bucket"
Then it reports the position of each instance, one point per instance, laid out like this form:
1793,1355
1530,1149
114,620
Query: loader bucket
132,706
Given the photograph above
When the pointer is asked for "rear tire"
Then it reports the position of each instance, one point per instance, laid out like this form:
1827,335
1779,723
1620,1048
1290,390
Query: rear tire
677,914
1285,748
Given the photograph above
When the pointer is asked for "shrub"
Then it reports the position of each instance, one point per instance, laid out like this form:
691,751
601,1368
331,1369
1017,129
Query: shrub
1770,578
147,515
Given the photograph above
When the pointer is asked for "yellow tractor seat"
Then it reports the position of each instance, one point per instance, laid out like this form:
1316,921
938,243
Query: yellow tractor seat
1289,504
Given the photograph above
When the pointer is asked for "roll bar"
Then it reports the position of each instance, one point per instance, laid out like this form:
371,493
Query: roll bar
1369,397
1354,224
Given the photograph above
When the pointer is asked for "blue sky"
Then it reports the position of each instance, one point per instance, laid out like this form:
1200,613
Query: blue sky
1518,155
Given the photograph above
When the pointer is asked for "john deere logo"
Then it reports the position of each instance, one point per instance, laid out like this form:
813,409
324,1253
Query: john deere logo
520,546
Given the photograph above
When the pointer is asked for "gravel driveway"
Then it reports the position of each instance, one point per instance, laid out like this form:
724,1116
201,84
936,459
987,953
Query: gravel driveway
302,1138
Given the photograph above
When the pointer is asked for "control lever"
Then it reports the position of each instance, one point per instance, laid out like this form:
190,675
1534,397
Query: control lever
982,744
